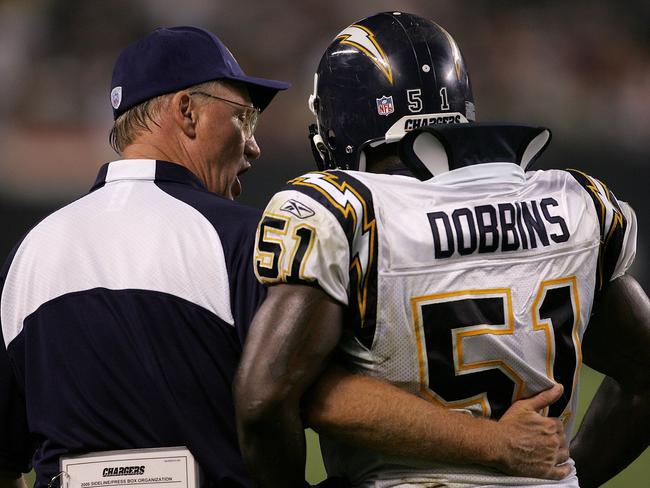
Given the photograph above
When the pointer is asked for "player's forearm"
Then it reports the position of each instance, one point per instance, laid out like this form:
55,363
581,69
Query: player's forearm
272,442
288,344
375,415
371,414
614,431
616,427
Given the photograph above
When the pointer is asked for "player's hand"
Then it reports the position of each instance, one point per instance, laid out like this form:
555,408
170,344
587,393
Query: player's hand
534,445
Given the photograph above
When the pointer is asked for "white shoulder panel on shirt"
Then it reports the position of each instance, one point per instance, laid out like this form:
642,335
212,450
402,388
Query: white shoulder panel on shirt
127,235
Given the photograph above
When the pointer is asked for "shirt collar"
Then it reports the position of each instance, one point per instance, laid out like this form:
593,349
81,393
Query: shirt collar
486,173
145,169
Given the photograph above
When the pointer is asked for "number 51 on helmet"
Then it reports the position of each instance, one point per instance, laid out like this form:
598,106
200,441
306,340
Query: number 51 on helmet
381,77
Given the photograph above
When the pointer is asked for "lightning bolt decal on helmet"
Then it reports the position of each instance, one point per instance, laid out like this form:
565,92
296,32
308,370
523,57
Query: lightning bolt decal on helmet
381,77
363,39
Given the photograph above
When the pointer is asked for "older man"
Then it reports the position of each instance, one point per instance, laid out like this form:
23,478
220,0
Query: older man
123,313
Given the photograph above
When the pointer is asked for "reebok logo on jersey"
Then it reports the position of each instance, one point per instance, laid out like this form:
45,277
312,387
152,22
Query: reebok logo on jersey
298,209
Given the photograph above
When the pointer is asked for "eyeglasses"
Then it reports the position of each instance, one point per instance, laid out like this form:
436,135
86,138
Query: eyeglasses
248,117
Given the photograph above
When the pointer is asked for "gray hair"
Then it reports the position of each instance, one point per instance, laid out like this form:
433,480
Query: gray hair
139,118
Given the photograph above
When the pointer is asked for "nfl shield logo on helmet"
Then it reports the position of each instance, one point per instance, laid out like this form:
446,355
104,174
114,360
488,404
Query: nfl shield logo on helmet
385,105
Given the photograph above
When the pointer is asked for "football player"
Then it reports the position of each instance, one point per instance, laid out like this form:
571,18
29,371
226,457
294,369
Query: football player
445,266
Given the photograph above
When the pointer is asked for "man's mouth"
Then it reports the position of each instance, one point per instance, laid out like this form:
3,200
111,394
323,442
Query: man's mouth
236,187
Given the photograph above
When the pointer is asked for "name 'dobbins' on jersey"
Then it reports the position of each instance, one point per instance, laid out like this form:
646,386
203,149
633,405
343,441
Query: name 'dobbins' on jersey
497,227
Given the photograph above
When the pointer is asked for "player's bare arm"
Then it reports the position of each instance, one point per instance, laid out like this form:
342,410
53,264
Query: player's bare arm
288,345
290,340
522,443
617,344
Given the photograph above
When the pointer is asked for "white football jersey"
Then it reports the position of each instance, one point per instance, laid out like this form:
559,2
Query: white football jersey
472,289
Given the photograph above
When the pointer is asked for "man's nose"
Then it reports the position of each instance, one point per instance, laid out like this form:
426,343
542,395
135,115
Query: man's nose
251,149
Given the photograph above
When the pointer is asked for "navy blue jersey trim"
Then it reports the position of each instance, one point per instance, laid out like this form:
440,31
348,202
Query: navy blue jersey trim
362,290
131,368
165,171
612,237
100,181
235,225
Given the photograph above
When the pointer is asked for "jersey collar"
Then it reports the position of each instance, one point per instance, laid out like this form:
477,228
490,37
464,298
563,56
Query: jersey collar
435,150
145,169
486,173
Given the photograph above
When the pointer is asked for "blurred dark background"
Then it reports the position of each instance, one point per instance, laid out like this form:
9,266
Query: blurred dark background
581,68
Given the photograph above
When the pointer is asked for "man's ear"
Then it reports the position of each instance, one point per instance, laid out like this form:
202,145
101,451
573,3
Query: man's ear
184,113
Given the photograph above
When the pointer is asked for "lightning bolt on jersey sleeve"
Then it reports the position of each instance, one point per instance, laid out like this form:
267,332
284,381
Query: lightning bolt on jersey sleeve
617,229
321,229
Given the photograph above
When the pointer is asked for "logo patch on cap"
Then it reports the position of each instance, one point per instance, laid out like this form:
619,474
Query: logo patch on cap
116,97
385,105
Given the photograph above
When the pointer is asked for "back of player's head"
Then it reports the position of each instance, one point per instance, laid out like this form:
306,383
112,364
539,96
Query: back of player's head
381,77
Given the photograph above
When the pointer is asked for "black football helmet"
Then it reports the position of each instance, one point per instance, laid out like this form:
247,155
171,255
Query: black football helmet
380,78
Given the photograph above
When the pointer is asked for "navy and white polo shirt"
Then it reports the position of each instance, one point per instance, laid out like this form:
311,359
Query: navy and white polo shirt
123,315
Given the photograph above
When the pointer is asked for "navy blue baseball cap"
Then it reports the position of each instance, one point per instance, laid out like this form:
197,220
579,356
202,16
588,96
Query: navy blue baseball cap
170,59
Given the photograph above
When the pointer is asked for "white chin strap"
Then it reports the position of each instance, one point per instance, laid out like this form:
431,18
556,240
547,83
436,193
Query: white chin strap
312,97
317,139
320,145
